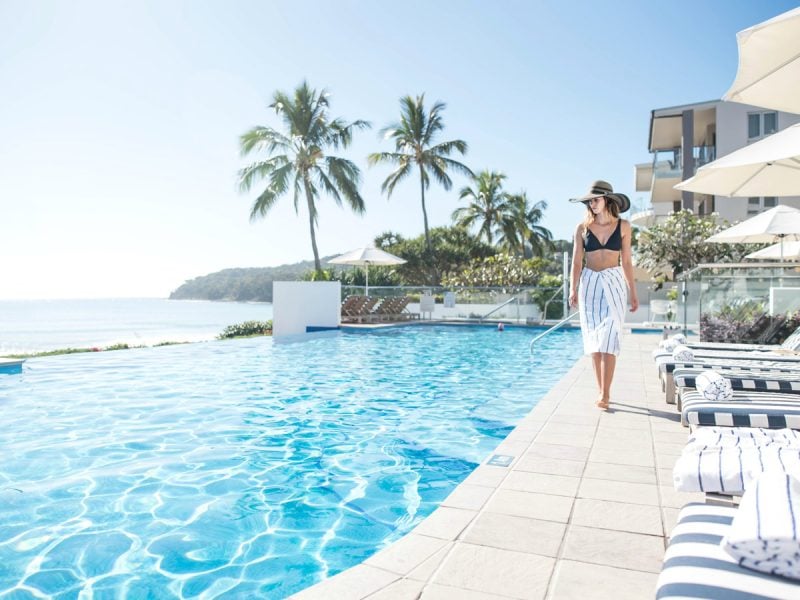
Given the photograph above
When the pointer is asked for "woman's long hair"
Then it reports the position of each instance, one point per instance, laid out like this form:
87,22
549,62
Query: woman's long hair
611,207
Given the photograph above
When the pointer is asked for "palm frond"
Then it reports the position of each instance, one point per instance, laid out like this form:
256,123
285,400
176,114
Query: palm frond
447,148
392,158
263,138
261,170
346,177
461,168
439,171
263,204
402,171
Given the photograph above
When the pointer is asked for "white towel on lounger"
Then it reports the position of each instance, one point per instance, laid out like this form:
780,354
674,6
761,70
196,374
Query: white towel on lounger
764,533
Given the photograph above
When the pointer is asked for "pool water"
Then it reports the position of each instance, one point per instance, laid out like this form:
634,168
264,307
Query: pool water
247,468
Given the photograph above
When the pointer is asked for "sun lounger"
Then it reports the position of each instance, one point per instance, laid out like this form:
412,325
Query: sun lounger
790,343
772,410
696,566
725,460
356,309
393,309
787,381
666,367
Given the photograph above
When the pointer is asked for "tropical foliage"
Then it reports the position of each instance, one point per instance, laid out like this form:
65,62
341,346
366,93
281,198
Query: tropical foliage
453,247
679,244
415,140
356,276
508,217
487,205
522,233
547,296
246,329
502,270
298,161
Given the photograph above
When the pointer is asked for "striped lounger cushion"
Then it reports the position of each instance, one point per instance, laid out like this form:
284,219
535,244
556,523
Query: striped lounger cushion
667,368
696,566
771,410
667,365
772,382
716,470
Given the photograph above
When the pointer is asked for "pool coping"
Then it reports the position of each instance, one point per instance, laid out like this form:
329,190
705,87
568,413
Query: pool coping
582,511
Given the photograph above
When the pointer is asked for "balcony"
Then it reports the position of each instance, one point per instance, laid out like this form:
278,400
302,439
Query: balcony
666,171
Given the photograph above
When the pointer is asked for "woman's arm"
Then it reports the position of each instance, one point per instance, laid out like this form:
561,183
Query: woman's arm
627,265
577,265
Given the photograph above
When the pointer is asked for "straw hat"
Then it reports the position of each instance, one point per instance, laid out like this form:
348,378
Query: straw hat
603,188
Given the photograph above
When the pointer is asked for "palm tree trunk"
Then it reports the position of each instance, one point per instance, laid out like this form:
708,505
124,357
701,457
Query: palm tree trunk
311,211
433,272
425,212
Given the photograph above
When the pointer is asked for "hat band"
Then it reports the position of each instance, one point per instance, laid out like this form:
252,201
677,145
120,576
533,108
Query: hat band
601,191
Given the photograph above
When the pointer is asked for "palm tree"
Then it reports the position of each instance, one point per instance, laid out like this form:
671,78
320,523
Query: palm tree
414,138
297,158
487,207
520,226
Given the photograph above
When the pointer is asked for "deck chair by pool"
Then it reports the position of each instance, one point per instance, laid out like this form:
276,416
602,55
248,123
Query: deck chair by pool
393,309
726,460
790,343
763,380
771,410
356,309
667,366
696,566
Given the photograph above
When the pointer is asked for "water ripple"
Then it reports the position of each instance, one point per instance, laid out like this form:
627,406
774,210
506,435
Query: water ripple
246,468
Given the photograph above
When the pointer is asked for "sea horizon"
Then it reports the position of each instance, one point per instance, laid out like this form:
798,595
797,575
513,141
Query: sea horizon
40,325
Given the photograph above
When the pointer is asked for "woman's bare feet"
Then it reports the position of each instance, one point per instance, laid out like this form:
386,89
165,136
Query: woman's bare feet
602,403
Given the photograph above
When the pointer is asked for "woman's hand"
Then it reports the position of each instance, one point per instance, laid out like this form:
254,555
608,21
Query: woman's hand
573,299
634,303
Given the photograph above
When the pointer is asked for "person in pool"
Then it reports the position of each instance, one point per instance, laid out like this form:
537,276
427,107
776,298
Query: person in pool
602,269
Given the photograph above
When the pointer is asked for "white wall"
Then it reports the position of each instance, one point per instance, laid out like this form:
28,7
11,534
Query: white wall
300,304
732,135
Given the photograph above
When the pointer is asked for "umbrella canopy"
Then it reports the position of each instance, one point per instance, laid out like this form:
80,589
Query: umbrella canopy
776,224
365,257
769,167
768,226
769,64
789,249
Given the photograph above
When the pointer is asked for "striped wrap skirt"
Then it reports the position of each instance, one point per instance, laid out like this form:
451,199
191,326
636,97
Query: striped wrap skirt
603,297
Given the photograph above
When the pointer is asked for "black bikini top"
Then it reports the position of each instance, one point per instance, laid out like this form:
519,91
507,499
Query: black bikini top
614,241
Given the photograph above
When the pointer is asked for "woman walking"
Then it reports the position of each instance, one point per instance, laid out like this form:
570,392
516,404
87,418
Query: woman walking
598,288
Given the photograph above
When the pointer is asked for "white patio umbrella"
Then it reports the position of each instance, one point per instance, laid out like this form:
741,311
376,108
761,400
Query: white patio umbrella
769,167
365,257
789,250
776,224
769,64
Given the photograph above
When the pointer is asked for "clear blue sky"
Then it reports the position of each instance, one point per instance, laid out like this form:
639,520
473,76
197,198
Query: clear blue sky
120,120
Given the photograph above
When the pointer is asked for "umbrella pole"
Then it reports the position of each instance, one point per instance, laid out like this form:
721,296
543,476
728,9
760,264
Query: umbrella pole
366,270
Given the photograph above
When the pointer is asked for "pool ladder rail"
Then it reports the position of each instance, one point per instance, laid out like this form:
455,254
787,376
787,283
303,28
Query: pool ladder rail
553,328
499,306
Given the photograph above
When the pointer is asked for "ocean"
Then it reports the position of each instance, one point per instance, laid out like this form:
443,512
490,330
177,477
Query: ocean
40,325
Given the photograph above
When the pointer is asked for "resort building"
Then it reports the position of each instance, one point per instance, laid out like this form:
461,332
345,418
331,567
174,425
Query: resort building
684,138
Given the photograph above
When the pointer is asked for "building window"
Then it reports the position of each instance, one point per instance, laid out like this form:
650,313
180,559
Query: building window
760,124
757,205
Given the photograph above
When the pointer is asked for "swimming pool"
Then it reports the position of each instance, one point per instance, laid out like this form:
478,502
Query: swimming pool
248,468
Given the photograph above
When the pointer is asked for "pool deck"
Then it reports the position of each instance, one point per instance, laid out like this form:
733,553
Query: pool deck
582,511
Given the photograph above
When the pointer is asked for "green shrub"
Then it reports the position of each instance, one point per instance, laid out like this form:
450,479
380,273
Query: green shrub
117,347
248,328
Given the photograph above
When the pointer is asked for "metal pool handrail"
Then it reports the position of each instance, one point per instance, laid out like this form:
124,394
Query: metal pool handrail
553,328
496,308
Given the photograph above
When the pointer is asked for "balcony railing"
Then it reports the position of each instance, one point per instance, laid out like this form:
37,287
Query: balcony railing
669,163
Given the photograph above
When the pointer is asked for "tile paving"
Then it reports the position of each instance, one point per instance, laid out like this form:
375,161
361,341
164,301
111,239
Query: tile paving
582,512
